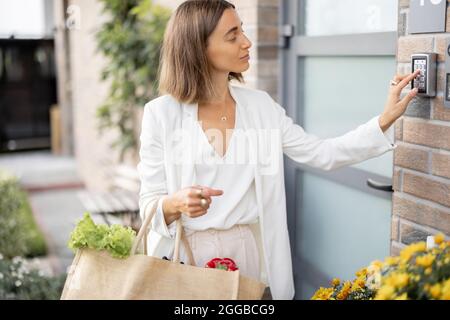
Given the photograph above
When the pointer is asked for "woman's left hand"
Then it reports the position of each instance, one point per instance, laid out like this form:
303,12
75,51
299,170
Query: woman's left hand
395,106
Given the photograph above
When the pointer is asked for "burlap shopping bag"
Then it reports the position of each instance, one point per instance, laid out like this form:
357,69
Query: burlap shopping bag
96,275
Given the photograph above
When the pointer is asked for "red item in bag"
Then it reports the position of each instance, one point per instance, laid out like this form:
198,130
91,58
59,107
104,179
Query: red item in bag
222,263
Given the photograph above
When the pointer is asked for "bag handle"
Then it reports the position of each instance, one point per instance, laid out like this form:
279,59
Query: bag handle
142,236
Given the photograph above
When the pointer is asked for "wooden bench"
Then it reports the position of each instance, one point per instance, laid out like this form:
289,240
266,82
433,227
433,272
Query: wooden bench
120,204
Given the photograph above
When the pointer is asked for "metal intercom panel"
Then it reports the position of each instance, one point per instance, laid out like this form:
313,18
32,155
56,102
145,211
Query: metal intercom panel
426,80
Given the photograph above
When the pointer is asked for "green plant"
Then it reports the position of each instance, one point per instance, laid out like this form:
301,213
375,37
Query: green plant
20,282
131,41
19,235
115,239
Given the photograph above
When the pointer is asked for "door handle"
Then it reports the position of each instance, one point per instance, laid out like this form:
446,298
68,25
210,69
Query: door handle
379,186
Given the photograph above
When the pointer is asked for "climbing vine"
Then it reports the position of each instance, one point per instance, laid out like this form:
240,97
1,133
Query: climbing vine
130,39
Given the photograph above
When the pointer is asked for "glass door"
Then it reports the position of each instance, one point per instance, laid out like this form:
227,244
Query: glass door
336,70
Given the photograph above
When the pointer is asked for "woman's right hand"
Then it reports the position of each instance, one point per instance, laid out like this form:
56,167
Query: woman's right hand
187,201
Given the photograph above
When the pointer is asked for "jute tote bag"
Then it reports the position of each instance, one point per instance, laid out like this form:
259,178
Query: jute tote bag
96,275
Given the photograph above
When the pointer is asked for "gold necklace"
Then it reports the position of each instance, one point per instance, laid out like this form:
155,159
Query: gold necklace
224,117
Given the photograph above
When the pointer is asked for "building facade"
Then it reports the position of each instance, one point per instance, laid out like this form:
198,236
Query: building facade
331,72
421,200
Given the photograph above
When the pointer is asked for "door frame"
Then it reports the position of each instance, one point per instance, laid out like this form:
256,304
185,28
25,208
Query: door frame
292,45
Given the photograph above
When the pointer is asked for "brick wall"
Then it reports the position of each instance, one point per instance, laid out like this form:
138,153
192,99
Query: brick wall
421,199
260,18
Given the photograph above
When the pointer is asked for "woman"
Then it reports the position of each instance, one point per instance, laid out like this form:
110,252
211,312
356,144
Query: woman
193,134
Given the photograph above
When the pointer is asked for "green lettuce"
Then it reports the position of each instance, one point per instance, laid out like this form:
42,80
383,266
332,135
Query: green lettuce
115,239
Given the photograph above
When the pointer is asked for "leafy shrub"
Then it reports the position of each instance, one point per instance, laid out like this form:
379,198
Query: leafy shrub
19,234
20,282
130,39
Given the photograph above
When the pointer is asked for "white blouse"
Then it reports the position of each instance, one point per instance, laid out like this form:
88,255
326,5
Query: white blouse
257,111
237,204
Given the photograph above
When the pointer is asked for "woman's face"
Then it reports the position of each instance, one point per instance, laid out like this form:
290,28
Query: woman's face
228,47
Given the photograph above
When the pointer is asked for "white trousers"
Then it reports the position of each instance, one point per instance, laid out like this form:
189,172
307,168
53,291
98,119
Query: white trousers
237,243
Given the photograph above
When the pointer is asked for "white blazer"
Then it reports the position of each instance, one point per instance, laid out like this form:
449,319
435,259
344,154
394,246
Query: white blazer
166,166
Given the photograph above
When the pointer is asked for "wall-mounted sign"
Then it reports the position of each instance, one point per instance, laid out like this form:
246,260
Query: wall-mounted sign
427,16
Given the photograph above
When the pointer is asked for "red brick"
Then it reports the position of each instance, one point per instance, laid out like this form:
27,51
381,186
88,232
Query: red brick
398,126
440,163
440,77
267,34
394,229
439,111
268,16
441,47
412,233
421,213
396,247
427,188
396,181
268,52
409,45
410,157
447,23
425,133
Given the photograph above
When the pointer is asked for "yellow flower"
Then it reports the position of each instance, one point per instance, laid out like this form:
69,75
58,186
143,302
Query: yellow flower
336,282
391,260
403,296
358,284
403,272
385,293
362,272
446,290
374,281
361,282
377,263
323,294
439,238
344,291
397,280
425,260
373,268
435,291
355,287
408,252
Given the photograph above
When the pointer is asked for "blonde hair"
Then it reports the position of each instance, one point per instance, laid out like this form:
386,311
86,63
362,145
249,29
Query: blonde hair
184,70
